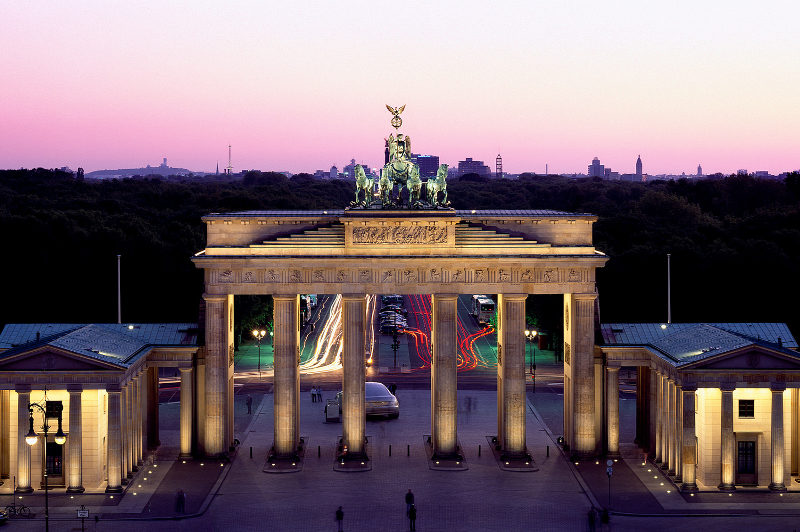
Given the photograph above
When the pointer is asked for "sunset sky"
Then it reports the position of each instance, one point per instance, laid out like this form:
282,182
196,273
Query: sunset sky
301,86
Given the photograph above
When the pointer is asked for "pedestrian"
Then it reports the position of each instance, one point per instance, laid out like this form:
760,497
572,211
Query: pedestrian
393,389
319,394
340,517
249,403
412,518
313,394
180,502
409,500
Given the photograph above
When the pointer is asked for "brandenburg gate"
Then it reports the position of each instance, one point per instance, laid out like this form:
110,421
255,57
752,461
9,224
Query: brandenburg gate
437,251
394,242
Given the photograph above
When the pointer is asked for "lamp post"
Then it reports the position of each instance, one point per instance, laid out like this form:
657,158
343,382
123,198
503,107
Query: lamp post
31,438
529,336
395,346
259,335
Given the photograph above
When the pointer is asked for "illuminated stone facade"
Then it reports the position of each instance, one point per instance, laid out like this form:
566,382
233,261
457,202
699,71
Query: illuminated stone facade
373,251
105,377
717,404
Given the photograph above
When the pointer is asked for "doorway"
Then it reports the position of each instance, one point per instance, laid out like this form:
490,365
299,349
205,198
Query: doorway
54,464
746,472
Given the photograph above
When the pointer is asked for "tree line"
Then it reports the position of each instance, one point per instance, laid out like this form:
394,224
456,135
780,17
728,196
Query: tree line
735,241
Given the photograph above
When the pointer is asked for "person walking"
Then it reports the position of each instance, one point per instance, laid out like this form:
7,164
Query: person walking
249,403
180,502
340,518
319,394
412,518
409,500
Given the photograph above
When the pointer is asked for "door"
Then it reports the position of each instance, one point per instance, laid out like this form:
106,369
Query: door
746,462
54,462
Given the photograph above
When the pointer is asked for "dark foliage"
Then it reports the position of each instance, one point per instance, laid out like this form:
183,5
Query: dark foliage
735,241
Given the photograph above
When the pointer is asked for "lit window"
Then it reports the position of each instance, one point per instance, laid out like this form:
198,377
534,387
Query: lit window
747,408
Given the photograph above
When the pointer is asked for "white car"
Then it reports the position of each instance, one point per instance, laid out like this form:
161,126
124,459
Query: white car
378,400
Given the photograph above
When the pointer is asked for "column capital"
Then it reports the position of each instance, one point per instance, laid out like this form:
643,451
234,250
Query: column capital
689,387
184,369
613,368
22,388
513,297
215,297
727,386
354,297
113,388
284,297
74,388
777,387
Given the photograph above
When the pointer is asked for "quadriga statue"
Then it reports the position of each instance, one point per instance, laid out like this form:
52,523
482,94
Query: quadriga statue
365,184
435,186
414,185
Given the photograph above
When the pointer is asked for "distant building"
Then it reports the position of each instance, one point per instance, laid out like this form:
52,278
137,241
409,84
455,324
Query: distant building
699,171
472,167
639,167
498,165
741,171
334,172
350,169
596,169
428,164
762,173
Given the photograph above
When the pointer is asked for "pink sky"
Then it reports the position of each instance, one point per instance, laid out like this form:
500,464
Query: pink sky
303,87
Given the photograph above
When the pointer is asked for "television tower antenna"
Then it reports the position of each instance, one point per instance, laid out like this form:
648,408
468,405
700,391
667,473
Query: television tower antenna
498,167
229,168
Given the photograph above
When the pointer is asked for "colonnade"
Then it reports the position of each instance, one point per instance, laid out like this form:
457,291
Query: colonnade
671,437
511,402
131,419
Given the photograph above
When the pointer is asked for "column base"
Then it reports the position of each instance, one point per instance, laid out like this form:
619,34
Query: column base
23,490
777,487
726,487
79,489
185,456
350,461
439,461
688,487
671,472
117,489
285,462
134,469
678,479
613,455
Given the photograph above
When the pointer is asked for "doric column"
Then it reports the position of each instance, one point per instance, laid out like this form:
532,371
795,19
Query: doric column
23,449
142,414
726,438
353,376
652,413
689,443
444,436
219,354
664,422
123,424
138,418
114,443
153,440
673,450
5,433
129,429
287,377
75,442
659,393
186,412
612,411
777,446
579,329
511,322
678,432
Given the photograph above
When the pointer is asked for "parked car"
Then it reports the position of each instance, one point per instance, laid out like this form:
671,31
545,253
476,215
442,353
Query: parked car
378,400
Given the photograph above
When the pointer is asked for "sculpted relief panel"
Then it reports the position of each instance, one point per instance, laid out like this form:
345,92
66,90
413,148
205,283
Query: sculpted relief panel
400,235
409,275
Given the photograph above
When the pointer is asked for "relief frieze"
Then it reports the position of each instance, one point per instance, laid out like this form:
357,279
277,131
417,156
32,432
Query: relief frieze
400,235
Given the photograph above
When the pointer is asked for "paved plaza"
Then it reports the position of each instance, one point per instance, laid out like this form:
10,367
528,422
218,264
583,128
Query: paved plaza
240,496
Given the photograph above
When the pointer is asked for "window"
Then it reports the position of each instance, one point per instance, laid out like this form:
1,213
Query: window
747,408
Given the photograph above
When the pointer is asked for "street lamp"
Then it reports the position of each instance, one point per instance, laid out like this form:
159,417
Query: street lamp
529,336
395,346
31,438
259,335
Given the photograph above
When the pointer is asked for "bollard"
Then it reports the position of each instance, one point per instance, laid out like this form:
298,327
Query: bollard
390,449
319,451
251,452
408,450
479,449
548,451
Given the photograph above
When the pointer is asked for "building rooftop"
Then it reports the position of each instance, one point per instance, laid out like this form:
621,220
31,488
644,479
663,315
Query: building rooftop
467,213
163,334
683,343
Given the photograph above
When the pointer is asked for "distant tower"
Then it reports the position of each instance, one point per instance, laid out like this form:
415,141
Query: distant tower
498,166
217,168
639,168
164,164
699,170
229,168
546,170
